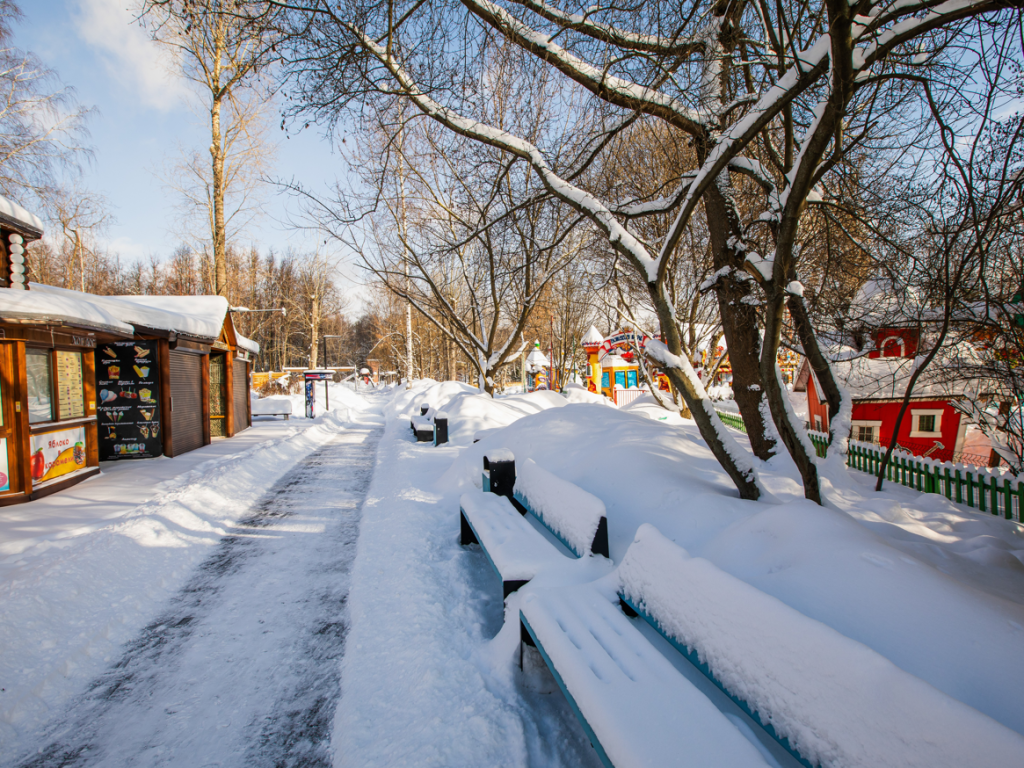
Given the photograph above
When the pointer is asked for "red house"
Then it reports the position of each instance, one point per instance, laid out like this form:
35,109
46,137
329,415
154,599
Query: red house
931,426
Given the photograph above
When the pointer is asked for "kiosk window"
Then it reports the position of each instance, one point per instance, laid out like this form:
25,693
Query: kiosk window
40,385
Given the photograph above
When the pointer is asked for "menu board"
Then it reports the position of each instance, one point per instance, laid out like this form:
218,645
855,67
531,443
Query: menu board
70,392
128,400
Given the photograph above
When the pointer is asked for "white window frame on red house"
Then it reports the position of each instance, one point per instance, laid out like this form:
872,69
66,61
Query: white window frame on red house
915,424
876,426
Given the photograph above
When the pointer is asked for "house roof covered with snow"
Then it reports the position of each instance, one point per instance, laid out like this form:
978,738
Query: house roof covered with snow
68,308
199,317
247,343
886,378
616,361
13,214
592,337
536,357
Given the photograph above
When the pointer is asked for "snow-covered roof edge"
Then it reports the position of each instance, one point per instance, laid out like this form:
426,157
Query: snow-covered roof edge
19,216
593,336
247,343
71,310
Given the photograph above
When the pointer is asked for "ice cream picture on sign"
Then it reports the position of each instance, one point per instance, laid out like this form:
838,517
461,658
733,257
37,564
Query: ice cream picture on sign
57,453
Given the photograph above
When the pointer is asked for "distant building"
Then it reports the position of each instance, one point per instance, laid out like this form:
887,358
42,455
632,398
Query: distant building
879,364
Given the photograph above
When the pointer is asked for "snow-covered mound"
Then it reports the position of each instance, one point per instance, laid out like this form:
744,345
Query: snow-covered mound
574,393
821,690
884,573
407,402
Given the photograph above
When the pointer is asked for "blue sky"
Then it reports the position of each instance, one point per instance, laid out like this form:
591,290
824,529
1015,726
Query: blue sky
142,116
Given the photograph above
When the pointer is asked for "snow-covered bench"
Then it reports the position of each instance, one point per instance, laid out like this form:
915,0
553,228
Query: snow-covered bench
272,406
516,550
636,708
574,516
825,697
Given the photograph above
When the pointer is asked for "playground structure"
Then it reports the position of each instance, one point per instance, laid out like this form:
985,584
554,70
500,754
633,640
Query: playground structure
612,367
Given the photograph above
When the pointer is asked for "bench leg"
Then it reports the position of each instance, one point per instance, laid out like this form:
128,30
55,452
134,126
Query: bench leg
466,535
524,640
600,544
627,610
508,587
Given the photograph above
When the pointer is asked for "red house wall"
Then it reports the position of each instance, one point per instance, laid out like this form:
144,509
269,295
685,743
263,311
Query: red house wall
815,407
894,342
886,413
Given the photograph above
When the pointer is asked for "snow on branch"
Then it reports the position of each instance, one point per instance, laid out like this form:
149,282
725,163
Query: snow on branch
584,202
610,34
615,90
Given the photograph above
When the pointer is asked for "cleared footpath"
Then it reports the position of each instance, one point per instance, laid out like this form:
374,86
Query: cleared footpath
241,668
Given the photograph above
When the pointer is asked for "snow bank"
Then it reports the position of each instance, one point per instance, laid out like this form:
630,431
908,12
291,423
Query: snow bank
406,402
67,604
576,394
837,701
272,404
569,511
934,588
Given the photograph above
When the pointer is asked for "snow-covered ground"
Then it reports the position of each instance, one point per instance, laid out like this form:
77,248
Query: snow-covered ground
83,571
430,672
897,572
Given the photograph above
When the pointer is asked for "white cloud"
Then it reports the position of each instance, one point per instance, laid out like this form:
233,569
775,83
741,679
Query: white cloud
132,58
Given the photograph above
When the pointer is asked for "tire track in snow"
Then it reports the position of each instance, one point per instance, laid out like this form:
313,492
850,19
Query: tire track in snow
242,669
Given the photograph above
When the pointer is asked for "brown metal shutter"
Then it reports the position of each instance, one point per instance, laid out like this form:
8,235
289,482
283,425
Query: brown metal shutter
240,390
186,402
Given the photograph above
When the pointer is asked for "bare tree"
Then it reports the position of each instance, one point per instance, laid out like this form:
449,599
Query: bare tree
81,216
801,85
223,54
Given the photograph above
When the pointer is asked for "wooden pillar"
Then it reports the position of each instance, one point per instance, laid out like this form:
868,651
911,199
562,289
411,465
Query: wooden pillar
204,376
229,393
248,395
92,437
24,466
163,356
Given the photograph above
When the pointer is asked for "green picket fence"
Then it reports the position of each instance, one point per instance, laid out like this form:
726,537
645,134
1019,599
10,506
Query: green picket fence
977,487
733,420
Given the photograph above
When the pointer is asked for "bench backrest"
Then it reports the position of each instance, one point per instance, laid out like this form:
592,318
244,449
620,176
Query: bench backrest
576,517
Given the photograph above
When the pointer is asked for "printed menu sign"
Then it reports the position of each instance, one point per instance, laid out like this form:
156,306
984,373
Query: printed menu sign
70,393
128,395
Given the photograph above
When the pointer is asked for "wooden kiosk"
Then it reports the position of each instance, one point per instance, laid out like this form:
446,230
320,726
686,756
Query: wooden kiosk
48,418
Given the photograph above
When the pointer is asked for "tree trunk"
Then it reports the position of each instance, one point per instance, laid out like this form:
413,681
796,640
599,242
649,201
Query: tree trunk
776,394
815,357
740,325
314,332
220,267
745,481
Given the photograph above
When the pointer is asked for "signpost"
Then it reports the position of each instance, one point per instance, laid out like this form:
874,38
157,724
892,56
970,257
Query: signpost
311,377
